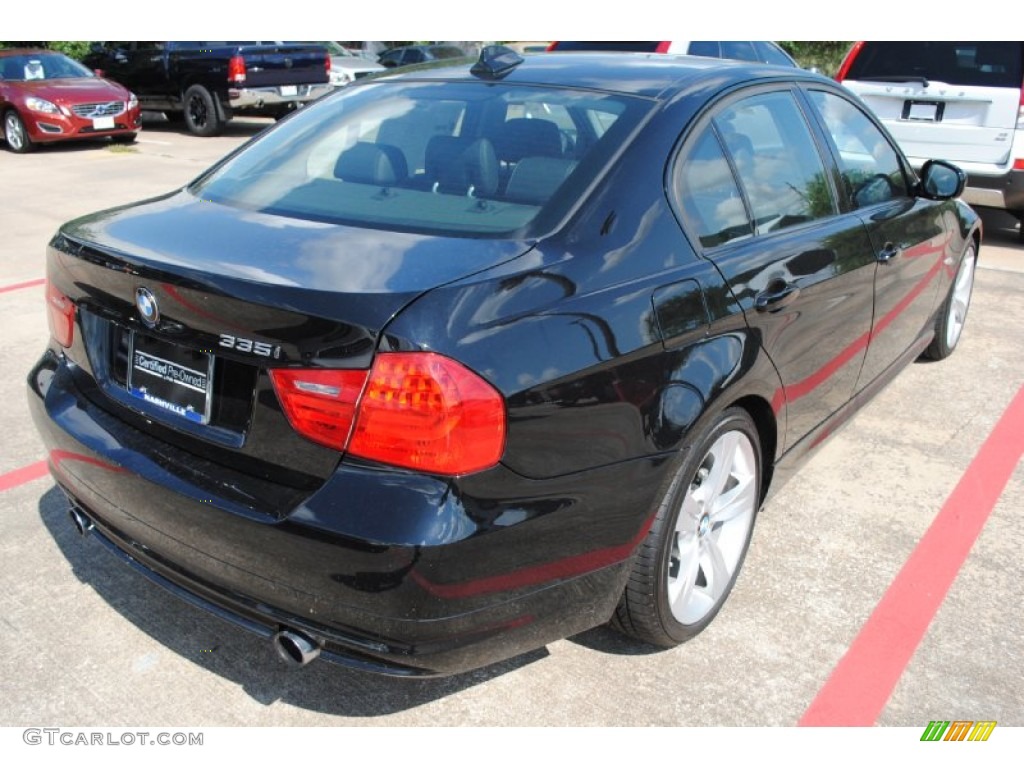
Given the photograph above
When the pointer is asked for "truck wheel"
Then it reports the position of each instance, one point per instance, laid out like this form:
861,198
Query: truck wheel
201,112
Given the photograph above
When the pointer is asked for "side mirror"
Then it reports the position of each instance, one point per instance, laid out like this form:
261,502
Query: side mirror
941,180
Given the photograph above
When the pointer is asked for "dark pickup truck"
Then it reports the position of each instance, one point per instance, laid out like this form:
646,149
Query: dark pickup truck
206,83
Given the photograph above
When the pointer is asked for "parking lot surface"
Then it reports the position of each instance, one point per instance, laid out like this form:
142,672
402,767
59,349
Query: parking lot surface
87,641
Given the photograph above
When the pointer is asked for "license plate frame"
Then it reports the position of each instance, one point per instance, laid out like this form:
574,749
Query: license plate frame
171,378
923,110
103,124
289,90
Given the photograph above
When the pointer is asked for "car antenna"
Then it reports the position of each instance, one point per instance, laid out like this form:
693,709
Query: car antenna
496,61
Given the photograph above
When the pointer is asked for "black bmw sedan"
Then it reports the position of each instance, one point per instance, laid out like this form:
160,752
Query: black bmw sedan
452,364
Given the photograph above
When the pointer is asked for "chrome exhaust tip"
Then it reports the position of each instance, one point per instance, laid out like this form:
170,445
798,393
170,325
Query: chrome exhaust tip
295,648
81,522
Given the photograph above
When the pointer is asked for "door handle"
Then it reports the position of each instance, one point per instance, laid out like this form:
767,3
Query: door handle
778,294
889,252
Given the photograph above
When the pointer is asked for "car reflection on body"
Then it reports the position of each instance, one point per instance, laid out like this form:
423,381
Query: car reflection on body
47,97
452,364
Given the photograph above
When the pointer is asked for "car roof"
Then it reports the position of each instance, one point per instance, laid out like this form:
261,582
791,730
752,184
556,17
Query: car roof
652,75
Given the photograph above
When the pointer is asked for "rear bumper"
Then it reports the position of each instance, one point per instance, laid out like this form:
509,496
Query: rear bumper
436,582
1004,191
254,98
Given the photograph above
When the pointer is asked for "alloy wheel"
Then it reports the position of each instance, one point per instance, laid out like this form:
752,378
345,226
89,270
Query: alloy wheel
14,132
712,527
961,300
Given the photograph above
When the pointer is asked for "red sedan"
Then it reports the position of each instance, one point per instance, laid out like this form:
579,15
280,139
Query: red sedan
46,96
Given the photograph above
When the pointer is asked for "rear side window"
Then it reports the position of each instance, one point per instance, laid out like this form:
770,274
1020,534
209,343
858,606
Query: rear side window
706,189
993,64
777,161
755,169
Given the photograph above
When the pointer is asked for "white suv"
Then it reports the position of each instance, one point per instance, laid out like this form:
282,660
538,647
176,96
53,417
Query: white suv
962,102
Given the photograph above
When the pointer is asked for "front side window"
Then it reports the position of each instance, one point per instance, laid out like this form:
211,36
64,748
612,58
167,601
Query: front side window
452,158
869,166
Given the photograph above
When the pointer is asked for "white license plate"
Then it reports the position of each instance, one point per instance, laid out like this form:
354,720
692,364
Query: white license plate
103,124
924,110
289,90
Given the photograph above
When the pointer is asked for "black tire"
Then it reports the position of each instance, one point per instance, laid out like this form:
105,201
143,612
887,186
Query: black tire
16,134
201,116
949,322
664,602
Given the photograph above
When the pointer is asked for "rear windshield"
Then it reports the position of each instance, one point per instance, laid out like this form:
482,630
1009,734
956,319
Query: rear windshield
983,63
477,158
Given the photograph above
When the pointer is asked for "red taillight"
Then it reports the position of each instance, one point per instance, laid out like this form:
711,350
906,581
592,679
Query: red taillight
417,410
424,411
844,68
663,46
1018,164
327,65
236,69
60,312
320,403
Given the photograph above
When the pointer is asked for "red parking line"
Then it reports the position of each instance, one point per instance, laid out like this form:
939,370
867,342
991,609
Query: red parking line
23,475
18,286
862,682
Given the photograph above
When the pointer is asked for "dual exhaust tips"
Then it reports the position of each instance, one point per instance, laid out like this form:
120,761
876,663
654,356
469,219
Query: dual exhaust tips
295,648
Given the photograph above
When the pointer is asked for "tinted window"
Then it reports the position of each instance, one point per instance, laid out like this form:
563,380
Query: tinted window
707,191
744,50
452,158
979,63
649,46
705,48
772,54
446,52
869,165
777,161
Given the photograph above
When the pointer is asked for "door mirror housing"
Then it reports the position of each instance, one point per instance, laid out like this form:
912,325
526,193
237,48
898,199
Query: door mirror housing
941,180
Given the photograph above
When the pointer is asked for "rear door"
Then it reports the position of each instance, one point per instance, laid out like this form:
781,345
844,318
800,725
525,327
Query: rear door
761,203
953,100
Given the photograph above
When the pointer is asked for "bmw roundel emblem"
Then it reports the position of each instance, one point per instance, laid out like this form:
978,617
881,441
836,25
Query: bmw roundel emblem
149,312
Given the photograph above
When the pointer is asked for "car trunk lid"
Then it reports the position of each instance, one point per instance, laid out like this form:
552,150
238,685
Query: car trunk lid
237,293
